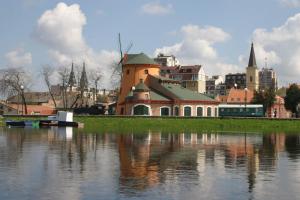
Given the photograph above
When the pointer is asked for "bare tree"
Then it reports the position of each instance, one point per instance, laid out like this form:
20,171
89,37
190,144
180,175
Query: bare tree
13,81
47,72
116,75
95,76
63,73
70,98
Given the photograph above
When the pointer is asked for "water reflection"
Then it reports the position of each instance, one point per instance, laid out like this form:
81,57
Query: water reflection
65,164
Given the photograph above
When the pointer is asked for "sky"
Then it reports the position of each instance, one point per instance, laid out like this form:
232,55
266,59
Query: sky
214,33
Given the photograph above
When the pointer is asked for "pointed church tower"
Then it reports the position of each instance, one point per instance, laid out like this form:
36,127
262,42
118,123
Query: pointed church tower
72,79
252,78
83,79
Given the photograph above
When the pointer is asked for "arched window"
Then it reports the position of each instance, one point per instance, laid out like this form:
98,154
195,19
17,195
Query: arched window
216,112
141,110
176,111
187,111
164,111
209,112
251,78
199,111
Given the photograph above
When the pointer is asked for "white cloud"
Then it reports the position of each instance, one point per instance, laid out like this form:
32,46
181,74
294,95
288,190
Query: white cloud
281,46
156,8
18,58
291,3
61,29
197,47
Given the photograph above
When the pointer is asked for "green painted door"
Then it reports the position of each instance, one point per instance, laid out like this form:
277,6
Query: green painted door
164,111
187,111
199,112
141,110
176,111
209,112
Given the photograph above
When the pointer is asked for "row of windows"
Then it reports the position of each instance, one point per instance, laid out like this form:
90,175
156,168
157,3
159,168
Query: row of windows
240,109
165,111
235,77
187,111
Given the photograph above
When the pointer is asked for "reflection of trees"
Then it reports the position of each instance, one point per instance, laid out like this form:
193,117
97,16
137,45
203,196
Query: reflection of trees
292,146
267,153
15,139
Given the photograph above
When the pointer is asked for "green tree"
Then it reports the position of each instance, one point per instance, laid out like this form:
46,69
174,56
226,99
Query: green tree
266,98
292,98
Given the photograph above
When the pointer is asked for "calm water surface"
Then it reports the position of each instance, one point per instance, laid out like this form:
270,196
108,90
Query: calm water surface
67,164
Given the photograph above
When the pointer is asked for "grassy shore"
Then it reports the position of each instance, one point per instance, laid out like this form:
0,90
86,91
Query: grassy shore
176,125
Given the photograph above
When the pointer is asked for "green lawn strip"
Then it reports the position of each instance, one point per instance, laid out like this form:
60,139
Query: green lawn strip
94,124
136,125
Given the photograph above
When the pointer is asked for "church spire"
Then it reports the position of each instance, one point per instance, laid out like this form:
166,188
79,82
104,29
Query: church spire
83,79
252,60
72,79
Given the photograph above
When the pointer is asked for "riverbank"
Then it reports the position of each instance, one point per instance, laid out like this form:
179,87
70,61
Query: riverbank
96,124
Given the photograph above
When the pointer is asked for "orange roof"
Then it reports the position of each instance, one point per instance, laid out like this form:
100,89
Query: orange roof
221,98
238,96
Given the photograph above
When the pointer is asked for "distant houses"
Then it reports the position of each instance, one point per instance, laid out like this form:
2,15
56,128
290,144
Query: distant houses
70,95
38,103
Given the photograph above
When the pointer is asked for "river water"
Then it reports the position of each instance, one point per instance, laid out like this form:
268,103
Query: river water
69,164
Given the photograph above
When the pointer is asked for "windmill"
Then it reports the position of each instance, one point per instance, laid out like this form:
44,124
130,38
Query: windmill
117,67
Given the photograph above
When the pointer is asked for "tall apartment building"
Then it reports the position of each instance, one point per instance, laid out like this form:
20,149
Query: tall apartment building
191,77
213,85
267,79
166,60
238,78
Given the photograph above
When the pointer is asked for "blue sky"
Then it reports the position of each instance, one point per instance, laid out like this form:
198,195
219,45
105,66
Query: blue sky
215,33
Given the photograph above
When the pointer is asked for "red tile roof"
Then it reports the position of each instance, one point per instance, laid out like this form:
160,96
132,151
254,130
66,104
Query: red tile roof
238,96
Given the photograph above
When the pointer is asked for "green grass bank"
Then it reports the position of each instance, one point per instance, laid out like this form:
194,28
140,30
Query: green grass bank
96,124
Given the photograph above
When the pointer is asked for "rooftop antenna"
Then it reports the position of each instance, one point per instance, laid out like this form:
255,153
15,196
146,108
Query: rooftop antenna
266,62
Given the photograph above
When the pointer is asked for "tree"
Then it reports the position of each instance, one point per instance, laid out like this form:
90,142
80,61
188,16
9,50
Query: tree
63,73
13,81
95,76
266,98
292,98
47,72
116,75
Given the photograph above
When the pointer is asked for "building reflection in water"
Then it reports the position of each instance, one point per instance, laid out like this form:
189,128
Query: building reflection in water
145,158
152,159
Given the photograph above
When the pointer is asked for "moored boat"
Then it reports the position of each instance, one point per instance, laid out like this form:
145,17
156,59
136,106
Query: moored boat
62,119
